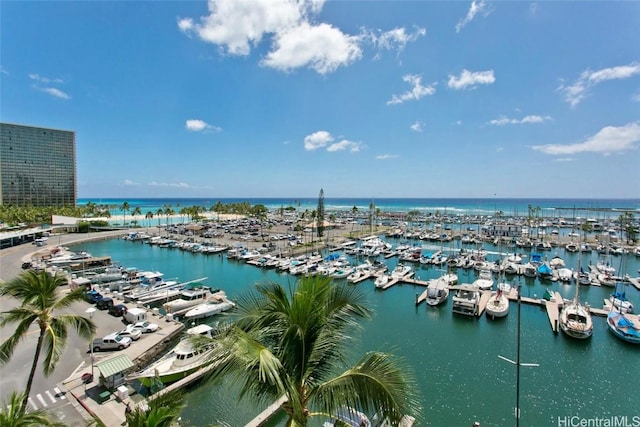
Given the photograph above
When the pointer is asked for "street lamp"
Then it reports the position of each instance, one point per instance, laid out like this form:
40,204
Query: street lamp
518,363
90,312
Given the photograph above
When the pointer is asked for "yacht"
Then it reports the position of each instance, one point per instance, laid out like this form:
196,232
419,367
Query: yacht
497,305
484,281
401,270
466,301
622,327
182,360
208,309
437,291
575,318
189,298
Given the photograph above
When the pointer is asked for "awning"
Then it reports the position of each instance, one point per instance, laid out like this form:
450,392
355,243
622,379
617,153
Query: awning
114,365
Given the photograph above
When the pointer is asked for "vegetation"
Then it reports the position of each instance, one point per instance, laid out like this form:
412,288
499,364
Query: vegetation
12,414
39,299
628,226
163,411
294,343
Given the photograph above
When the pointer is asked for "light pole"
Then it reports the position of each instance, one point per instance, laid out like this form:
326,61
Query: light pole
90,312
517,362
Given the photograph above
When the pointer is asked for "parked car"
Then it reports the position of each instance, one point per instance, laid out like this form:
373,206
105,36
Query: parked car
145,327
130,332
118,310
104,303
111,342
93,296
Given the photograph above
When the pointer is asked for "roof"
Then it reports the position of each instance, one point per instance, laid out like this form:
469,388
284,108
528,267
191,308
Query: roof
114,365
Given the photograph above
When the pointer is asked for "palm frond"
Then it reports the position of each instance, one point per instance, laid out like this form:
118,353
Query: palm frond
13,415
377,384
24,320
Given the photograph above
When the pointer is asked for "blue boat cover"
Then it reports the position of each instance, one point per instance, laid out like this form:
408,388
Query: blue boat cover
619,295
544,269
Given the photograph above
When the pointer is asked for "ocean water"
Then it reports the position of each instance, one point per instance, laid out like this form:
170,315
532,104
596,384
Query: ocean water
459,376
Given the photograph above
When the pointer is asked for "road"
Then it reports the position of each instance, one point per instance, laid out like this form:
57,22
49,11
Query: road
45,391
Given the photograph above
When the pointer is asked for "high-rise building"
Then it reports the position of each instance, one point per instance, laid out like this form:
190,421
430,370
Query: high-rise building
37,166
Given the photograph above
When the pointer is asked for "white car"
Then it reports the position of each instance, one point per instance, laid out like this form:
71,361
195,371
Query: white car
145,327
131,332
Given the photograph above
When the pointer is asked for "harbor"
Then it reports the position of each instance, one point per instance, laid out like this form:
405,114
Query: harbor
398,302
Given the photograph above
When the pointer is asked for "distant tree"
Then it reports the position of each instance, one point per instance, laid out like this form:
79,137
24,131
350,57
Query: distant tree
149,216
159,212
586,228
628,227
320,214
124,207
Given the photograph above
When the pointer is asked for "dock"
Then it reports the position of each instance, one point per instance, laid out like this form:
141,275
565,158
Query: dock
484,299
395,280
267,413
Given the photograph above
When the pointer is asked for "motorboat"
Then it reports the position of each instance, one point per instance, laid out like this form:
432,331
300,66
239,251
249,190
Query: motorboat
466,301
620,302
401,270
484,281
182,360
208,309
382,280
349,417
565,275
189,298
437,291
623,327
545,272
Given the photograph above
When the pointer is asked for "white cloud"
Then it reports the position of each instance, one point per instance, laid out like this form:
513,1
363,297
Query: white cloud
396,38
44,80
196,125
476,7
608,140
129,183
636,97
297,38
564,159
527,119
345,144
471,79
168,184
417,126
317,140
386,156
54,92
574,93
3,70
416,92
322,48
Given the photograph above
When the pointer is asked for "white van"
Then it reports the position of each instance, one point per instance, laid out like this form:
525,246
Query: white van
135,315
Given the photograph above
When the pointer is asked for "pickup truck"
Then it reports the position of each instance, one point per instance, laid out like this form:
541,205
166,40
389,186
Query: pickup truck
111,342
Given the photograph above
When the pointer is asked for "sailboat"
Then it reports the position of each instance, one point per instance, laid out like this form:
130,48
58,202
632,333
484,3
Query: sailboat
498,303
575,317
622,327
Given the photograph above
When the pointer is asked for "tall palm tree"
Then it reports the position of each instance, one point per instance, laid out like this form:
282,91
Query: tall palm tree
294,343
15,416
162,411
124,208
148,216
39,300
136,211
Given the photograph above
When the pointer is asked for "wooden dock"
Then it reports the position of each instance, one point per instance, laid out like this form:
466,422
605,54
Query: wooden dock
635,282
395,280
267,413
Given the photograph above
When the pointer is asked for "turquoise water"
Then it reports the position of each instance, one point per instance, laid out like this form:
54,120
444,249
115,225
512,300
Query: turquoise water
455,360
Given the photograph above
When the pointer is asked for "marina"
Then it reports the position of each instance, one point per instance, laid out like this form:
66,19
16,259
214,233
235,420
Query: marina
224,268
400,317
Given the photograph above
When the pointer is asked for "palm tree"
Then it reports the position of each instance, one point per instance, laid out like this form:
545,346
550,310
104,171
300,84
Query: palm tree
148,216
15,416
136,211
292,343
124,208
159,212
39,299
162,411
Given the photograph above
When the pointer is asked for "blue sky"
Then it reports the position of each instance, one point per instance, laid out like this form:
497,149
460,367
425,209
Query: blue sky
274,98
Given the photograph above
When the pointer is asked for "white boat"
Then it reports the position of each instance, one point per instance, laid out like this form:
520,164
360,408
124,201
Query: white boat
382,280
622,327
342,273
348,417
188,298
497,305
208,309
556,262
565,275
575,317
401,270
484,281
466,301
437,291
620,302
181,361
